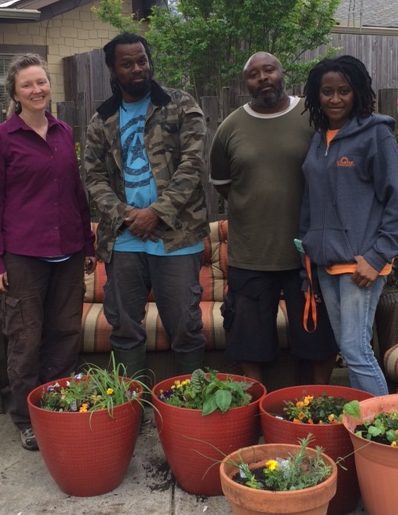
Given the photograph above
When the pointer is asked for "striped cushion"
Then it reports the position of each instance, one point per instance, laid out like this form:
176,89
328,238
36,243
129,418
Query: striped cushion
96,330
213,279
391,363
213,273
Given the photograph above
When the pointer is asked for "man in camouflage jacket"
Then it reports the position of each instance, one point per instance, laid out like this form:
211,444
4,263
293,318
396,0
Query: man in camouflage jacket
144,168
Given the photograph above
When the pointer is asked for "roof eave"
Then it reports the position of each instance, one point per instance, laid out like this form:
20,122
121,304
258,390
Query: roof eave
19,14
366,30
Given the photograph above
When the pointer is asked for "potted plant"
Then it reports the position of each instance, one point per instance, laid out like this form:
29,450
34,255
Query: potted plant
386,318
373,427
86,428
279,478
202,417
291,413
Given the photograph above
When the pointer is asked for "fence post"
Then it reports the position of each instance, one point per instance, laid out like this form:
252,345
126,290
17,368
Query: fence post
388,102
210,108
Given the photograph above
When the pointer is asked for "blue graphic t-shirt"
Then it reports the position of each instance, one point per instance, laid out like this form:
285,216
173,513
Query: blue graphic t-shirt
140,185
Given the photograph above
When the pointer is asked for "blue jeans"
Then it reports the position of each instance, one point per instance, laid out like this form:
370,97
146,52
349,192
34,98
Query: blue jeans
351,313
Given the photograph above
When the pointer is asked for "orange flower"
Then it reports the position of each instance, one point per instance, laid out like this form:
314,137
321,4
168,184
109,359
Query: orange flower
83,408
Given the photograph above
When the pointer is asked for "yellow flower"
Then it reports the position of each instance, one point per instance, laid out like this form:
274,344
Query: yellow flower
299,404
83,408
109,391
272,465
308,399
301,415
331,417
394,443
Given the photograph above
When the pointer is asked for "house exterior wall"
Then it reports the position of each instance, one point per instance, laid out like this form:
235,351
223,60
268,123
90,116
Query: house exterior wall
71,33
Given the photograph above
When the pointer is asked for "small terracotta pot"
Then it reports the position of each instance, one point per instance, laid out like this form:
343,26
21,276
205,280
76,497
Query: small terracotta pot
194,444
86,453
249,501
377,464
333,438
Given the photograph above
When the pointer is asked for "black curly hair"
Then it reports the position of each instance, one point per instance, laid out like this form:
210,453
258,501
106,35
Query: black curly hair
126,38
356,74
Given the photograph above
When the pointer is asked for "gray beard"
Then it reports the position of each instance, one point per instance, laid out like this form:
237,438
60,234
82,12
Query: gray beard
271,99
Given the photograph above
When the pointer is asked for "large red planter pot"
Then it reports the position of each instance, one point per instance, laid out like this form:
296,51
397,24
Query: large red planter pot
333,438
86,453
249,501
377,464
194,444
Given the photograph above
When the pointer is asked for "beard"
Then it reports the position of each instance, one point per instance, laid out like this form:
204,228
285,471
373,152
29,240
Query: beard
271,98
136,90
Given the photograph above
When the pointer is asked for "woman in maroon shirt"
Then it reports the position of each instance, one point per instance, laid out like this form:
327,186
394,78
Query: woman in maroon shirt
45,239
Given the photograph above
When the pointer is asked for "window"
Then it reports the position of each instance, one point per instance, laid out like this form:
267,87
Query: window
5,60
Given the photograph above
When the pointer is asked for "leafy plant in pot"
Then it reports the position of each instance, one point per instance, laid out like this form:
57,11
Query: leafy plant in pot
202,417
86,428
311,404
386,318
372,426
279,478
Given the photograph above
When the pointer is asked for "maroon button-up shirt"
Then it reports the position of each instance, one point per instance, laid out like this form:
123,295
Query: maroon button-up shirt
43,206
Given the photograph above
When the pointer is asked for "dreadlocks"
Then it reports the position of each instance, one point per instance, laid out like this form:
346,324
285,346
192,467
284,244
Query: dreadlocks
126,38
355,73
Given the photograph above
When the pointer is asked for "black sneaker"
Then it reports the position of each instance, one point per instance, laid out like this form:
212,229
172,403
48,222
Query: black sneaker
28,439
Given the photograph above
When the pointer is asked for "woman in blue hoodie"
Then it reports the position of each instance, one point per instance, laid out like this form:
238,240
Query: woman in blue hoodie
349,219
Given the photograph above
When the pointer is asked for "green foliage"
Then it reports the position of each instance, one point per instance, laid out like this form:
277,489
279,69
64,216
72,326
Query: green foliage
96,389
205,391
383,429
322,409
353,409
111,11
201,45
295,472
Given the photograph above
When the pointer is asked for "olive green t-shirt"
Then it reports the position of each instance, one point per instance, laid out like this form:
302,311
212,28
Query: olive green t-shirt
260,157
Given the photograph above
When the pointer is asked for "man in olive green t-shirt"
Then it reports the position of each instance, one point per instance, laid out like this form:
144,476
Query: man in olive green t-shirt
256,160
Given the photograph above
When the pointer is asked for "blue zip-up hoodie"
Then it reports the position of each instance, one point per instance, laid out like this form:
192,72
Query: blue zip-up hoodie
350,204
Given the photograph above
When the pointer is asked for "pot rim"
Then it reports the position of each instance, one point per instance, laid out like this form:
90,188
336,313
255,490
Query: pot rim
320,427
290,493
156,399
87,413
349,421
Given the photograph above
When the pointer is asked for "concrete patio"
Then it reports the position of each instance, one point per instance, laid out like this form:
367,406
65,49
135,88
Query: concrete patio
26,488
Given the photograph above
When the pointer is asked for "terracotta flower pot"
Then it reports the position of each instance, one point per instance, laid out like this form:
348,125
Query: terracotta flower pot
194,445
248,501
377,464
86,453
333,438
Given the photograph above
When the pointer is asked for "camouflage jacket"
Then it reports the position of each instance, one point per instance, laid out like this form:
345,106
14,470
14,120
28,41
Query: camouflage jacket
174,141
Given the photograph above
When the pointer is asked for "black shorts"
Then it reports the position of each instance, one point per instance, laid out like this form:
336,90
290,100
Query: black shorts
250,311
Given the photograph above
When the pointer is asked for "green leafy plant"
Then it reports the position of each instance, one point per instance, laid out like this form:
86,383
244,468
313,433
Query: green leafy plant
207,392
383,428
202,45
297,471
322,409
93,390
